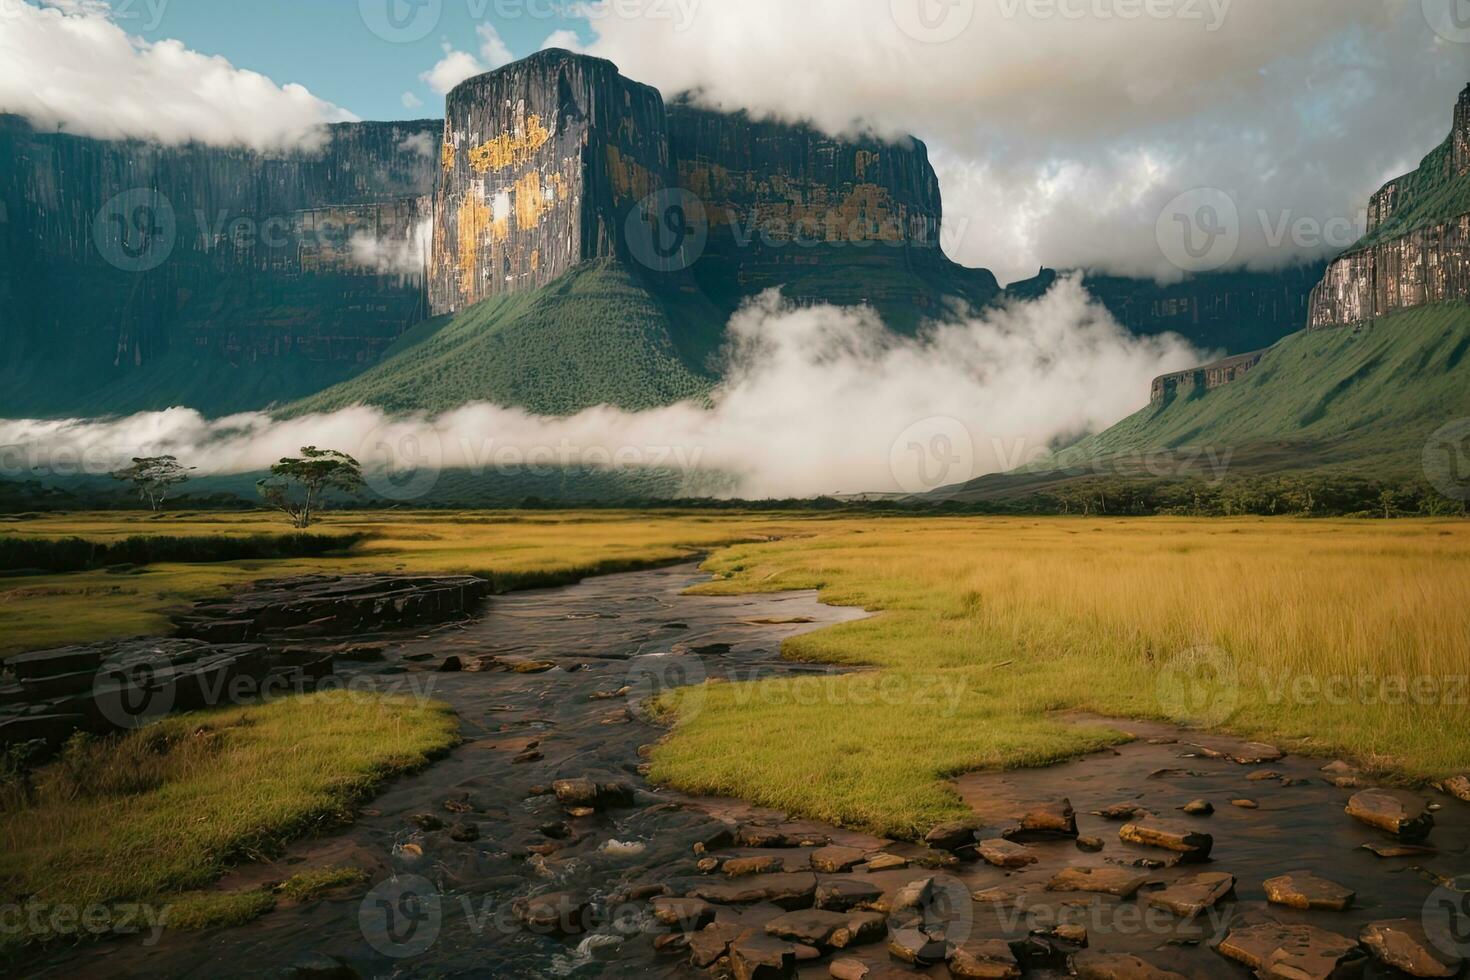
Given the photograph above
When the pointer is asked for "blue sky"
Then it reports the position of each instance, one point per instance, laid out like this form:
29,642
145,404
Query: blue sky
328,45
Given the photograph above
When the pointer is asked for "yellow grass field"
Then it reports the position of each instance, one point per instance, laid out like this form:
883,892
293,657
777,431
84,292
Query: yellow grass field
1335,637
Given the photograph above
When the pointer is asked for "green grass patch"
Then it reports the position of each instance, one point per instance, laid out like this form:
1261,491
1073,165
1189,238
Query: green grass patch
197,911
163,812
308,886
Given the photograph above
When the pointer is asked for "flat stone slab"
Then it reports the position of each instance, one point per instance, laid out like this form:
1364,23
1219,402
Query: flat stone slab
789,891
813,927
1118,882
1192,845
1402,814
746,866
989,959
1299,951
951,836
834,859
1090,965
1304,890
712,942
842,894
1191,896
757,957
1004,854
1404,945
1049,821
685,914
915,947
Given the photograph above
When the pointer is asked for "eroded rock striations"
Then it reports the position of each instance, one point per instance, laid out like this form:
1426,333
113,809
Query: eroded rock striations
1417,249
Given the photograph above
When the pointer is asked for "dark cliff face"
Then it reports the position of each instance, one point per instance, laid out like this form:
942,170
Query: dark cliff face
1417,249
542,162
122,257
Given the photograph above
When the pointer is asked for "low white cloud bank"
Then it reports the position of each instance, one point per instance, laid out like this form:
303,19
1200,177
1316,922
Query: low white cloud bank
816,400
1064,129
457,66
406,255
70,66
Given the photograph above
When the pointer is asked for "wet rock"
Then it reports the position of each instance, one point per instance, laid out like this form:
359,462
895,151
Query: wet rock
1396,813
1404,945
814,927
1246,804
1304,890
1249,754
741,867
685,914
709,944
1191,896
951,836
426,822
763,838
709,865
988,960
848,969
1264,775
937,860
671,942
861,928
1192,845
886,862
561,913
464,833
1299,951
1385,850
1091,844
589,794
1118,966
1049,821
914,946
1041,952
842,894
914,895
837,860
788,891
1198,808
1005,854
758,957
529,756
531,666
1118,882
1074,934
1118,811
621,692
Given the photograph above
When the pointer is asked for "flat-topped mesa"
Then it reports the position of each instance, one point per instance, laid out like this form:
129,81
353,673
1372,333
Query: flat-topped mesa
1213,375
1417,247
542,161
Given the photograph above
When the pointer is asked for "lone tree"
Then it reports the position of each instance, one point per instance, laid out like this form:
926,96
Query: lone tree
313,472
154,477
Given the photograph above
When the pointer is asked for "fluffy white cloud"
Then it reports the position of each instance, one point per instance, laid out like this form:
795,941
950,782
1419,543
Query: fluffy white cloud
411,101
456,66
70,66
1064,128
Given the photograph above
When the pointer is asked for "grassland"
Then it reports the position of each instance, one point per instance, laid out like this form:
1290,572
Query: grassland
1336,637
158,815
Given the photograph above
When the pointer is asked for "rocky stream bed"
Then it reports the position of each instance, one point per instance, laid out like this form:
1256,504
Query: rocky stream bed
538,849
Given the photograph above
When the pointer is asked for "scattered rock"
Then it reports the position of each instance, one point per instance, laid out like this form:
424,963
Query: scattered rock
1404,945
1118,966
814,927
464,833
1090,844
685,914
1198,808
1396,813
1074,934
1118,811
1301,951
1458,787
1304,890
916,894
671,942
709,865
532,666
556,912
1102,881
621,692
951,836
842,894
861,928
1246,804
319,966
426,822
1193,845
763,838
837,860
1385,850
886,862
1189,897
990,959
531,755
848,969
710,944
589,794
1263,775
757,957
1047,822
1005,854
915,946
741,867
788,891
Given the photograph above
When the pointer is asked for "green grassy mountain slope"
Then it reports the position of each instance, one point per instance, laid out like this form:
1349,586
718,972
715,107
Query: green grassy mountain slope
1362,402
601,334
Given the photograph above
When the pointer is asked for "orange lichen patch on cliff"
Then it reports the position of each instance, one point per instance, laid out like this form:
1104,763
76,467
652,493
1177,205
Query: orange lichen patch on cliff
630,179
473,222
533,199
535,259
446,156
510,149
